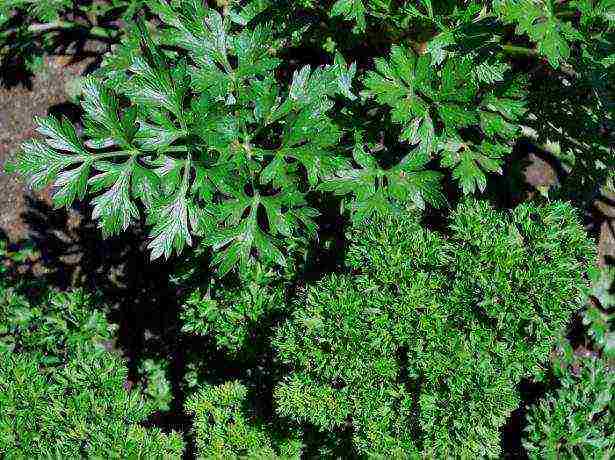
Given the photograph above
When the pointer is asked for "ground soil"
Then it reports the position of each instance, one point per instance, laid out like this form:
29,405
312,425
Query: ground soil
44,93
606,245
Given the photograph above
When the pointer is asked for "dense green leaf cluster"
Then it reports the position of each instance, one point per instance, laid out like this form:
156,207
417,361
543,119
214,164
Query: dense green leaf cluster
449,109
555,27
422,345
156,387
578,419
416,350
80,408
232,310
205,131
224,427
206,140
268,135
62,392
34,319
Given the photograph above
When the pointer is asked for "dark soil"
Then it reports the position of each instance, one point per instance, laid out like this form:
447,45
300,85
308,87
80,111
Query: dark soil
606,244
41,95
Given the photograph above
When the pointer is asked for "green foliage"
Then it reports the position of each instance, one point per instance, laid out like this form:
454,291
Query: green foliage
225,427
255,131
56,12
578,419
62,393
46,10
599,316
231,309
157,387
375,189
400,15
350,9
207,146
556,26
53,326
422,347
80,408
31,28
448,110
201,127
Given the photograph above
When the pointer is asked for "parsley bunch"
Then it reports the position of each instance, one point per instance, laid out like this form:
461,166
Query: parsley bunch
203,136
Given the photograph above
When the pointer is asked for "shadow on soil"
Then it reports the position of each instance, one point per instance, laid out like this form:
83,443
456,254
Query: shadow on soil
135,292
23,41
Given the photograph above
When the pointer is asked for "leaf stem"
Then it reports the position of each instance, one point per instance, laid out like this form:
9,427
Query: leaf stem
567,14
514,49
118,153
186,176
176,148
123,153
94,32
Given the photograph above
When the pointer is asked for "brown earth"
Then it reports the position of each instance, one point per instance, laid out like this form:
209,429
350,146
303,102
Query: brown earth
18,106
606,245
